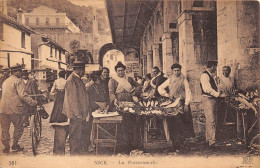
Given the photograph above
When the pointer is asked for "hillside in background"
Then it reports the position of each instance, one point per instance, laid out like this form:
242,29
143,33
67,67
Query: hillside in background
80,15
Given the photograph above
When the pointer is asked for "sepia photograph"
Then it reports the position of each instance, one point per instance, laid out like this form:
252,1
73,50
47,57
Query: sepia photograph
129,83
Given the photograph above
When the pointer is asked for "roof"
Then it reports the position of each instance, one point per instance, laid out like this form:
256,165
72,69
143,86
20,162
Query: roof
128,20
14,23
48,40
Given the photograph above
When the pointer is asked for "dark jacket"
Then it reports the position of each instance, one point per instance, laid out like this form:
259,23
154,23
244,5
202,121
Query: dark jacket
157,82
76,99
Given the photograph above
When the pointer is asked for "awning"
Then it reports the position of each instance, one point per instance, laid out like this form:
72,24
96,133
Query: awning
128,20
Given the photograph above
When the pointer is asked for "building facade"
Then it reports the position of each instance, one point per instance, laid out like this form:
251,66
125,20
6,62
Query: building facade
49,59
44,19
15,43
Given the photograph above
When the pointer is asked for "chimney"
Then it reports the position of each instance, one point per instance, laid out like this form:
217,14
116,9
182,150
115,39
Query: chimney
20,15
3,6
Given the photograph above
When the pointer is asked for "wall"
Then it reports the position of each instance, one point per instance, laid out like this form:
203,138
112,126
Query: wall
12,37
238,31
12,42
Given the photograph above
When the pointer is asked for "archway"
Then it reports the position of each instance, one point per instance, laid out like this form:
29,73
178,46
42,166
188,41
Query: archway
127,55
111,58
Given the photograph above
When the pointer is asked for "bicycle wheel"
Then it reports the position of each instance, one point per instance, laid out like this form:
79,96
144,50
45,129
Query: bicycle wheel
33,136
38,126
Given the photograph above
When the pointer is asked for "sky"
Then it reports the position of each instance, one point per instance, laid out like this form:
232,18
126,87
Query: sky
93,3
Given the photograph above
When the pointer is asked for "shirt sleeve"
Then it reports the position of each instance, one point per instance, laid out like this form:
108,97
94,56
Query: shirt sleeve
162,88
187,92
112,90
52,92
206,85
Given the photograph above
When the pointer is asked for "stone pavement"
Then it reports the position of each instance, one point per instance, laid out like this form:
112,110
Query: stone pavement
46,144
192,147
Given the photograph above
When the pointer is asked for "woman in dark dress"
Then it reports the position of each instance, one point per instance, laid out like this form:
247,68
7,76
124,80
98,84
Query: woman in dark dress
58,120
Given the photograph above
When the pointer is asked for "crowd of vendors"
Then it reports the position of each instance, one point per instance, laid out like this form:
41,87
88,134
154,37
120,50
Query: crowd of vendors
80,94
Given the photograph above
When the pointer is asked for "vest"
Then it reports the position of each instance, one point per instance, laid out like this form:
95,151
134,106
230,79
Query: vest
212,83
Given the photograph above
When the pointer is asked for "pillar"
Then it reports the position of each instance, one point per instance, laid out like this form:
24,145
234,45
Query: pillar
156,56
197,45
167,53
149,61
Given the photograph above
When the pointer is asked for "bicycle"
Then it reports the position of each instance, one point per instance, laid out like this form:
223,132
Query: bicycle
36,130
36,124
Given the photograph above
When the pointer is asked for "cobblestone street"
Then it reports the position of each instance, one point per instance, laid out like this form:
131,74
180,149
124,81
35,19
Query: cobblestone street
46,144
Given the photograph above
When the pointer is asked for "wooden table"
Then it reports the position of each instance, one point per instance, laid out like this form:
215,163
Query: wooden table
110,139
146,130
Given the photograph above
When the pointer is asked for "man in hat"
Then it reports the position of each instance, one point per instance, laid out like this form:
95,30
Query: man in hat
12,106
76,108
181,125
209,100
31,87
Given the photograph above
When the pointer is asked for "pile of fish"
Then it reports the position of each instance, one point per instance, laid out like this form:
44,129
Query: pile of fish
165,108
151,107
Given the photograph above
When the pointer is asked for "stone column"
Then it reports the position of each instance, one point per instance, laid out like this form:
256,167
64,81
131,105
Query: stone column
149,61
156,57
167,53
197,45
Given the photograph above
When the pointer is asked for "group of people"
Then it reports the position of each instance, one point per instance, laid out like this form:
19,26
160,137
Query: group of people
80,94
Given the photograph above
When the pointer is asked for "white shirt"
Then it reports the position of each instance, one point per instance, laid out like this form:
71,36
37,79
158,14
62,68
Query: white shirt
58,84
162,91
206,86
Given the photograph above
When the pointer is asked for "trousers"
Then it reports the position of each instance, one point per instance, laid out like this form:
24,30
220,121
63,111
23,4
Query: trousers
6,120
60,136
79,134
210,111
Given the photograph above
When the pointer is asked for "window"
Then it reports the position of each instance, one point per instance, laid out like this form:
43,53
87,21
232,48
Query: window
60,55
27,21
1,30
56,53
23,40
197,3
51,51
37,21
172,25
57,21
47,21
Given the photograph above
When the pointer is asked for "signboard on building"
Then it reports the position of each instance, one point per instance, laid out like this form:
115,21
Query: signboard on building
132,67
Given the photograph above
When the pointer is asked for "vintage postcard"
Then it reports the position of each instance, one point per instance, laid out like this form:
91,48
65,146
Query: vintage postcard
129,83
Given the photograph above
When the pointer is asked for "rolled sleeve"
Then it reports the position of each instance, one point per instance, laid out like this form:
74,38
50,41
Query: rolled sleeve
162,88
187,92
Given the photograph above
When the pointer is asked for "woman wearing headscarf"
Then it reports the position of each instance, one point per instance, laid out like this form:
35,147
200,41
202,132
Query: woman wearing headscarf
122,89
